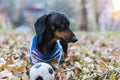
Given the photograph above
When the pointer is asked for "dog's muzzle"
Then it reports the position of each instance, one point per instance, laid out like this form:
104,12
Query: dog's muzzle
74,38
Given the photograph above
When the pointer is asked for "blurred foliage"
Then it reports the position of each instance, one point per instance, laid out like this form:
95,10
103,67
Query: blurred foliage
89,15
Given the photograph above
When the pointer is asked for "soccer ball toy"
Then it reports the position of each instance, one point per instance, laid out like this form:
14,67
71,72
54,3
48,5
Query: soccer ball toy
41,71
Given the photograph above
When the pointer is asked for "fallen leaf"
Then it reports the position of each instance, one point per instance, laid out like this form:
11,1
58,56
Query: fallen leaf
18,69
88,59
2,67
103,65
103,59
114,53
9,62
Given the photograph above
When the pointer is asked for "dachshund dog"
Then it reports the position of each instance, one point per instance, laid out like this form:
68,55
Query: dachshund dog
50,42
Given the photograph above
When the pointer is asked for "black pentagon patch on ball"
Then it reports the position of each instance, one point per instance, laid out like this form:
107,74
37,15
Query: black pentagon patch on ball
50,70
38,65
39,78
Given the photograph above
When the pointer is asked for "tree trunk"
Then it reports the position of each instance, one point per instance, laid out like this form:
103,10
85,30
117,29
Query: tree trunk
84,22
97,13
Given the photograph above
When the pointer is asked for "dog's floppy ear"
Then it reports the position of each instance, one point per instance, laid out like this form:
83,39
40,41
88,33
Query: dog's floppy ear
40,27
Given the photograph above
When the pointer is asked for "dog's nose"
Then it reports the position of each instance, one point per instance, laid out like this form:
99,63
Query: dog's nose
74,39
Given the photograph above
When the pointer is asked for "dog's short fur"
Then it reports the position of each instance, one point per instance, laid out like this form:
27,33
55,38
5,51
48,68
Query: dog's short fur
52,27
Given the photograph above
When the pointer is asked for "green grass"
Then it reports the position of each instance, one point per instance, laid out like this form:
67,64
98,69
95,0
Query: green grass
113,33
10,31
117,33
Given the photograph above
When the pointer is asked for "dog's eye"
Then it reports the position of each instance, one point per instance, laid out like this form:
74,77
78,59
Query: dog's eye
61,24
66,22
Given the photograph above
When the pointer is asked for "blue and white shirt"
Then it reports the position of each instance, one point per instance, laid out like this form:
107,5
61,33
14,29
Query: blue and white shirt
36,56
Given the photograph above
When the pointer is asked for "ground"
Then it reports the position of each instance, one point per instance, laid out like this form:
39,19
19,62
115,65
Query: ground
95,56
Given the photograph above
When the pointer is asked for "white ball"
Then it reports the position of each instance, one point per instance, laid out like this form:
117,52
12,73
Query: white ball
41,71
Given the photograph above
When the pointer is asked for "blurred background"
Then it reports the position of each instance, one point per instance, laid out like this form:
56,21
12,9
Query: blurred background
86,15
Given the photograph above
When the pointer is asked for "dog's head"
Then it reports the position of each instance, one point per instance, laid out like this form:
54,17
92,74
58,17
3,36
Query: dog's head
57,24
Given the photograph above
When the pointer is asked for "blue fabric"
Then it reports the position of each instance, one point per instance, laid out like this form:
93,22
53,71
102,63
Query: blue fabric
37,56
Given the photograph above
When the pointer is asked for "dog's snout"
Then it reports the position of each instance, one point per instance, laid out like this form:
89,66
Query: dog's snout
74,39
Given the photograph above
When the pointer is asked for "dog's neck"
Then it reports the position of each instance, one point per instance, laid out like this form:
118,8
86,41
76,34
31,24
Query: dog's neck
47,44
47,48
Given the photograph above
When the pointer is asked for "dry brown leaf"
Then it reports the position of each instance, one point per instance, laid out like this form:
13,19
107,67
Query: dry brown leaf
4,77
9,62
18,69
103,65
114,53
103,59
118,77
77,71
2,67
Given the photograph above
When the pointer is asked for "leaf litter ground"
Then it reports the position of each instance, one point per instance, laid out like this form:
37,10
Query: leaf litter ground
93,57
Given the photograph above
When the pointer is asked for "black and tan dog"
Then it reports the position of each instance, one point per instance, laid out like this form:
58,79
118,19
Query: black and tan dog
50,42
